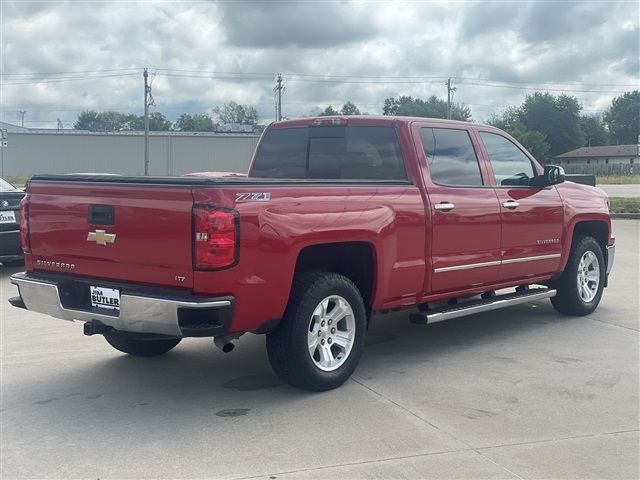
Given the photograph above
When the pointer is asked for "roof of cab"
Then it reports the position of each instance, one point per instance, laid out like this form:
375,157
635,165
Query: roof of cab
370,120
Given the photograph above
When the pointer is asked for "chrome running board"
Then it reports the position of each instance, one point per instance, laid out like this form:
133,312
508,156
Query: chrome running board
479,306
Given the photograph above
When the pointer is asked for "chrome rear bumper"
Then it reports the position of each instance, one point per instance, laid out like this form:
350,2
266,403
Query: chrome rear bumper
138,313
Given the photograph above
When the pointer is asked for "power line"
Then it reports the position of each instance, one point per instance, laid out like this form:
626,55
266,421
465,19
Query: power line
370,82
419,78
209,72
28,78
228,76
520,82
65,79
479,84
321,76
70,72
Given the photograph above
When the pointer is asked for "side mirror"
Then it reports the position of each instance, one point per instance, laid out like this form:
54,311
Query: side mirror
552,176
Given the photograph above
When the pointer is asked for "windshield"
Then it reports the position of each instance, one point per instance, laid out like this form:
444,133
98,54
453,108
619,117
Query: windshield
6,186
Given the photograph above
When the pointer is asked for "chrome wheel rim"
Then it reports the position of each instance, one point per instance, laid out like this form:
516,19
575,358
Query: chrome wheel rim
331,333
588,276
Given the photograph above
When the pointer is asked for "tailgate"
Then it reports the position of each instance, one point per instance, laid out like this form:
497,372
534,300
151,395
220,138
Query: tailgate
133,233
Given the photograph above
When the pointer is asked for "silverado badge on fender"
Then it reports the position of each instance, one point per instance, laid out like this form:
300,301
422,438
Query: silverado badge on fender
101,237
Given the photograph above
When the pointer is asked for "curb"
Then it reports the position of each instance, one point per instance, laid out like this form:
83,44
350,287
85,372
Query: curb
633,216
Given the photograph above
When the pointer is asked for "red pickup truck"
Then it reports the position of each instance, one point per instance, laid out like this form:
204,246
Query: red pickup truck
338,218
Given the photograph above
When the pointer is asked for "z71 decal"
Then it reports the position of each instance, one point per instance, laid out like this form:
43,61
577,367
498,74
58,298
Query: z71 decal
253,197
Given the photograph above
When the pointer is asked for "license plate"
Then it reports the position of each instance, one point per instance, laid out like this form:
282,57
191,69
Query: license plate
105,298
8,217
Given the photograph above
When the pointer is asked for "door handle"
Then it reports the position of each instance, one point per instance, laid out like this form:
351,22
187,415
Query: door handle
444,206
510,204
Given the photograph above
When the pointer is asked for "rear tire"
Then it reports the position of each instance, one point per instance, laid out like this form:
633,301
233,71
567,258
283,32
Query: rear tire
320,339
581,284
134,345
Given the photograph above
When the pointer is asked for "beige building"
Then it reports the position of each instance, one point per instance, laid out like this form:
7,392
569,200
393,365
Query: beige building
604,160
609,154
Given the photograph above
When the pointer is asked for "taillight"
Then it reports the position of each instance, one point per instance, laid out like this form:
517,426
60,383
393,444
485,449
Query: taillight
24,224
215,237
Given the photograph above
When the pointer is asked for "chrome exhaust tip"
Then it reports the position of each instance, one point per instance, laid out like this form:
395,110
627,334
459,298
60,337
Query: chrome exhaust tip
223,343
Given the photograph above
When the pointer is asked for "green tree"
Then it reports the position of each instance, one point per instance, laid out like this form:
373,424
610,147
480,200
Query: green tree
88,120
534,141
108,121
433,107
350,109
558,118
158,122
328,112
392,104
133,123
594,130
194,123
111,121
233,112
623,118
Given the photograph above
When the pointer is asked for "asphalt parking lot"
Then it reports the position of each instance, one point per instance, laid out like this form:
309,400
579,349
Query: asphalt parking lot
517,393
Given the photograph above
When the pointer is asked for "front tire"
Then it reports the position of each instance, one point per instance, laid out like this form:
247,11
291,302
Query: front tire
321,337
140,347
582,282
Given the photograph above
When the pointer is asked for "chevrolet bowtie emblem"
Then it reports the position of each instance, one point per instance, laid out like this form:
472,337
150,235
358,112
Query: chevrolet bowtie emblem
101,237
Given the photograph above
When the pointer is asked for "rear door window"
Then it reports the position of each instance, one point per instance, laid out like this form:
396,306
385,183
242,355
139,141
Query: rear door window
348,153
451,157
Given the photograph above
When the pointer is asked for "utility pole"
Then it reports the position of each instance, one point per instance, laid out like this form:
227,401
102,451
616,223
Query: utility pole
147,91
279,89
450,91
22,114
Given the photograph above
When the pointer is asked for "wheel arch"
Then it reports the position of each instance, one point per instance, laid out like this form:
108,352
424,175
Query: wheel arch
355,260
598,228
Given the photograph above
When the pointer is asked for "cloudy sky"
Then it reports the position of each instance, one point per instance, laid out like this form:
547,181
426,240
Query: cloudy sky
59,58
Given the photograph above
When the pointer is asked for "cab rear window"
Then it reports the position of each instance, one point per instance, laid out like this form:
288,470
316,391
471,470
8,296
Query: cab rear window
335,152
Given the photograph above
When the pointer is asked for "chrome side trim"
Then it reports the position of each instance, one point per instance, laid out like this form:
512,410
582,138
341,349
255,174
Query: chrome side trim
486,307
496,262
530,259
468,266
137,314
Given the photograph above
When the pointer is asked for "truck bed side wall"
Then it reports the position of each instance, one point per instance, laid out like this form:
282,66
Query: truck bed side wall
389,218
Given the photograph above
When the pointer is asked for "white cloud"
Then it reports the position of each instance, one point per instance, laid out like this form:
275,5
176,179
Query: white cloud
565,43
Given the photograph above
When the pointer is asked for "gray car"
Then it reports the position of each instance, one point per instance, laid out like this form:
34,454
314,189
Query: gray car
10,196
